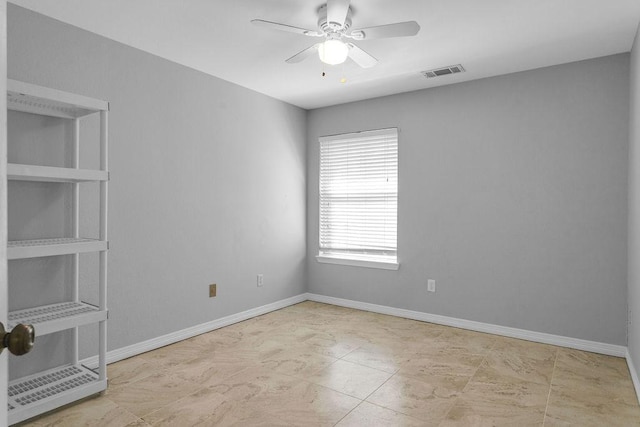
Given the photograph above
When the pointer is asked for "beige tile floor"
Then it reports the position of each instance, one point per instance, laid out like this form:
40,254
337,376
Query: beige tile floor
315,364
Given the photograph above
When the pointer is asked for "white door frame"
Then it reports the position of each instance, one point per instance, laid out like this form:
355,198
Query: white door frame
4,374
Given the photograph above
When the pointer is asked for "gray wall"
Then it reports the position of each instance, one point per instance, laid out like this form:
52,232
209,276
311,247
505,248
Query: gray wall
634,206
207,181
512,195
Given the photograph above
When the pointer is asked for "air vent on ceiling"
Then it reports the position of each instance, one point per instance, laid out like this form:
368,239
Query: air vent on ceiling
452,69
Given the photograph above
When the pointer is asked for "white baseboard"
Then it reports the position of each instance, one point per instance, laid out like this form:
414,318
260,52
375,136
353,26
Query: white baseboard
592,346
578,344
155,343
634,375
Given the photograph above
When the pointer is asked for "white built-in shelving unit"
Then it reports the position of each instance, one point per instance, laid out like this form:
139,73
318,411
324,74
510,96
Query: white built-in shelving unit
52,388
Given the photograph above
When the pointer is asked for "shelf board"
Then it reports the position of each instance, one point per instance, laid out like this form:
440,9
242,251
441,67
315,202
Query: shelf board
48,319
20,249
34,99
18,172
48,390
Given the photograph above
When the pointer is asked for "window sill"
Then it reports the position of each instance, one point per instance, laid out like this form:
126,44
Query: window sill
382,265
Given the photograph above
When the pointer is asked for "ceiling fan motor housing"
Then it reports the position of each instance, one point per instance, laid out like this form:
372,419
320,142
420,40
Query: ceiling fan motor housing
332,27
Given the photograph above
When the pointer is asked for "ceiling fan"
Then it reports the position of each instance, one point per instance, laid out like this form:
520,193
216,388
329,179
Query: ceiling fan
334,25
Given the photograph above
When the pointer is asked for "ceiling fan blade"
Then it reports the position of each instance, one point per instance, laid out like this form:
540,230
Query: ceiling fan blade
361,57
302,55
400,29
337,11
284,27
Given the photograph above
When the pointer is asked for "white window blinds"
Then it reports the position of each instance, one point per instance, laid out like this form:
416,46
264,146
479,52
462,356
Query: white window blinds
359,195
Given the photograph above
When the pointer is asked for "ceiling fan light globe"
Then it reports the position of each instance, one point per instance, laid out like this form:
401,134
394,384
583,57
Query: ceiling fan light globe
333,52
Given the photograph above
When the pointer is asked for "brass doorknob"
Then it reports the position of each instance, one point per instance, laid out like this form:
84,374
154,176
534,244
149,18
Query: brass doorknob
19,341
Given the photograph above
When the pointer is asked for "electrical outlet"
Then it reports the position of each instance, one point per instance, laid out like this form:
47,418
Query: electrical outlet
431,285
260,280
212,290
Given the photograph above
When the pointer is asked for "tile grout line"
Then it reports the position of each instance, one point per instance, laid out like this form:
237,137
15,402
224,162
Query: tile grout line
546,408
347,414
369,395
378,388
479,365
470,378
337,391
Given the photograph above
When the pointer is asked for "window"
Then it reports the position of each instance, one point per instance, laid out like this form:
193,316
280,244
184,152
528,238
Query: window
359,199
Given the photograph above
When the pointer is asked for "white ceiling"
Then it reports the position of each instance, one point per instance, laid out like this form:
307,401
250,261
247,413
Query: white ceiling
488,37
